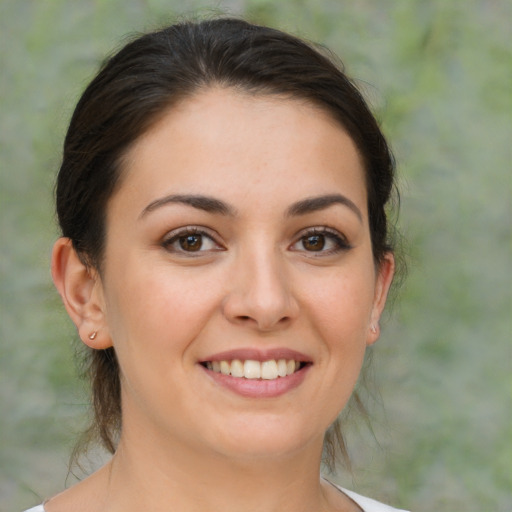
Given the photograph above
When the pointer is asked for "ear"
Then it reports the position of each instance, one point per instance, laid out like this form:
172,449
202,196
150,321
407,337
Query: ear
81,291
385,273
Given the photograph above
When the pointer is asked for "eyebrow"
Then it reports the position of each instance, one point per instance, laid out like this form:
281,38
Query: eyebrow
205,203
313,204
213,205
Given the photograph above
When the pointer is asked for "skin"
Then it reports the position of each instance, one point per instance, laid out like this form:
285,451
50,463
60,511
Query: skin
256,283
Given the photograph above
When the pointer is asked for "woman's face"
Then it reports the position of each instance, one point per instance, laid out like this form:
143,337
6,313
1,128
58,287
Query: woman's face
239,287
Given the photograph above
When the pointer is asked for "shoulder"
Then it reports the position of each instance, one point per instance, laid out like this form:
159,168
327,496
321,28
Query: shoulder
39,508
367,504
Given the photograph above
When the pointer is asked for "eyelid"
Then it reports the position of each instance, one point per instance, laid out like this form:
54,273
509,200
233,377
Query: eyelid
173,235
339,238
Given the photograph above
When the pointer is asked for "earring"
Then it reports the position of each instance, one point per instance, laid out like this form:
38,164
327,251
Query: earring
93,335
373,329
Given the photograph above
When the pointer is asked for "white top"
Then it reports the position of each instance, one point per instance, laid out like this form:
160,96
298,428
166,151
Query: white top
367,504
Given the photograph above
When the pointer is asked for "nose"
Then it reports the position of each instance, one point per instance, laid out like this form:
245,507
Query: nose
260,293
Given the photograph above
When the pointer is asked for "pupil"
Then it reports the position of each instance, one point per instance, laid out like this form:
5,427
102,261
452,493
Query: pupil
191,242
314,243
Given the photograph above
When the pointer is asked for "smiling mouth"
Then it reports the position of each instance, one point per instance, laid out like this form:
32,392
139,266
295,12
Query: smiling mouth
271,369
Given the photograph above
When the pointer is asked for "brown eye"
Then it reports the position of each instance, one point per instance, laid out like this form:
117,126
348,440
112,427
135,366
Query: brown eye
190,240
191,243
322,241
313,242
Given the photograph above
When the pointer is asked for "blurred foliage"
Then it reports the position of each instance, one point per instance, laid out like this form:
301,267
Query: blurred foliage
439,75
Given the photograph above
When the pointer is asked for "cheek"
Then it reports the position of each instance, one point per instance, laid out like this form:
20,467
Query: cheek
156,309
340,313
153,319
342,303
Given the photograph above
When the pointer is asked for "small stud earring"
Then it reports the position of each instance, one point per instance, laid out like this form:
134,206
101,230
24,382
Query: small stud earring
93,335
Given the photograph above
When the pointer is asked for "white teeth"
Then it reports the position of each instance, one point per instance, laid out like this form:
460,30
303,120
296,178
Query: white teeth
237,368
251,369
282,370
269,370
224,367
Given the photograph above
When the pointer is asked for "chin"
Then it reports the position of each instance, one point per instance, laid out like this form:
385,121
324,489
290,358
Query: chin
267,438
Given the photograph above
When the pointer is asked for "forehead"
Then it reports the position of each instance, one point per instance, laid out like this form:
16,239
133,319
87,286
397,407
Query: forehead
222,141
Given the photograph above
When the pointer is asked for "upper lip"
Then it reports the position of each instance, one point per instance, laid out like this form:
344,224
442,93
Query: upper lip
258,354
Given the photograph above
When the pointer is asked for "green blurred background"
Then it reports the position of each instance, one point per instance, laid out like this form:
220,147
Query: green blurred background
439,75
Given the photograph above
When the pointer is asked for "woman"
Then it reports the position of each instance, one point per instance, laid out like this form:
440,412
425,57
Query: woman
225,256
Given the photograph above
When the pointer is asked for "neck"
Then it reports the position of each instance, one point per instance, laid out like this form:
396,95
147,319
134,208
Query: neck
146,474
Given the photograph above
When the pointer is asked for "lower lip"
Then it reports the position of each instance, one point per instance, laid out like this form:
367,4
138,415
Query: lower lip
259,388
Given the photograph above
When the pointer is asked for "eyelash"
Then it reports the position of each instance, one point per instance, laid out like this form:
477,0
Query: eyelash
340,242
189,231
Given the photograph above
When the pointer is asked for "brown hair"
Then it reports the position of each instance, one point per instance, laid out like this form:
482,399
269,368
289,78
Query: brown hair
136,86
